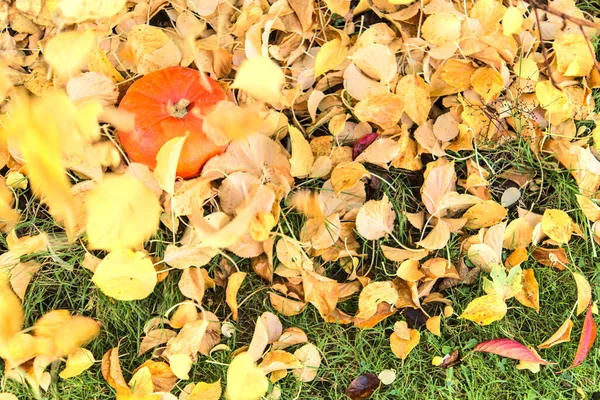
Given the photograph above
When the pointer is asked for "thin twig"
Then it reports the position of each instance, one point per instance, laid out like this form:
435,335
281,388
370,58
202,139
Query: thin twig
543,45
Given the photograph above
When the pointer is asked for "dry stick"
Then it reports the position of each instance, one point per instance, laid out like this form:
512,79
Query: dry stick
543,45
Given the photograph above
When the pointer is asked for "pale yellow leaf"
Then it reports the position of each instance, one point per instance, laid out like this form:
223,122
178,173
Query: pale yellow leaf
573,55
167,160
77,362
122,212
485,309
557,225
76,11
245,381
261,78
440,28
233,286
126,275
377,61
345,176
414,93
68,51
302,156
331,55
375,219
584,292
512,22
310,358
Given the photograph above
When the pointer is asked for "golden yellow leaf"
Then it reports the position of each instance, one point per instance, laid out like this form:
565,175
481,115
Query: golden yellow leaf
321,291
488,83
375,219
166,163
529,294
557,225
245,381
512,22
122,212
126,275
11,313
277,360
345,176
206,391
414,93
340,7
384,109
310,357
77,362
457,73
228,121
261,78
573,54
331,54
554,101
440,28
59,333
518,234
433,325
181,364
562,334
141,382
437,238
233,286
285,306
584,292
372,295
402,347
489,13
69,51
302,156
485,309
99,62
484,214
409,270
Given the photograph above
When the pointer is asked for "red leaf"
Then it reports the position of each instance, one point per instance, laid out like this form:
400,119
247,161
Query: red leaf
588,335
511,349
362,143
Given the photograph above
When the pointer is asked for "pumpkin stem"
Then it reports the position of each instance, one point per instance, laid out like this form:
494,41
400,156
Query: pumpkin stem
179,109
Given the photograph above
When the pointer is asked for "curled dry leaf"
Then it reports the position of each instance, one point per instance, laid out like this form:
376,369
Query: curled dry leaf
112,373
285,306
290,337
267,330
310,358
155,338
562,334
233,286
375,219
278,360
161,375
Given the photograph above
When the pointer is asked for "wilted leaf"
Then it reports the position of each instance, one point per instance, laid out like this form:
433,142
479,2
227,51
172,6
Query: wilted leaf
267,330
111,371
310,358
562,334
154,338
375,219
363,386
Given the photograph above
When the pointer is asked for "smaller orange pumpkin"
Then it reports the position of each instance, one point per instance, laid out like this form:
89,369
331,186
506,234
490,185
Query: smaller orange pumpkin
166,104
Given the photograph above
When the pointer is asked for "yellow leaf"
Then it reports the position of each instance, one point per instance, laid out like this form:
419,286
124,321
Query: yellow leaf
11,313
573,54
402,347
310,358
375,219
77,362
485,309
122,212
99,62
166,163
261,78
345,176
76,11
331,54
302,156
512,22
228,121
233,286
554,101
321,291
440,28
8,396
181,364
377,61
340,7
484,214
59,333
206,391
69,51
584,292
557,225
414,93
126,275
141,382
433,325
437,238
245,381
529,294
590,209
384,109
562,334
488,83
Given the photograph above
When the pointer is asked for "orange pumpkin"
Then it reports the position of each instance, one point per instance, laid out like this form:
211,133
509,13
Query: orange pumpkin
166,104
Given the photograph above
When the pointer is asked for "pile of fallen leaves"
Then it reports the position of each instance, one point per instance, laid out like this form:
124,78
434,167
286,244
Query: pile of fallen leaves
319,99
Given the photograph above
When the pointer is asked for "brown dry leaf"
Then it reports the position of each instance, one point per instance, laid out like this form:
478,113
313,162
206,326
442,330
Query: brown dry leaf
380,152
557,225
384,109
485,309
321,291
556,258
584,292
331,55
484,214
112,373
414,93
529,294
375,219
310,357
192,283
401,347
562,334
518,234
233,286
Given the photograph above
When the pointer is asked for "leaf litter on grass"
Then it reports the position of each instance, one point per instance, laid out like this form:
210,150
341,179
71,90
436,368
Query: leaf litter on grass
319,108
